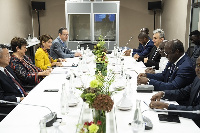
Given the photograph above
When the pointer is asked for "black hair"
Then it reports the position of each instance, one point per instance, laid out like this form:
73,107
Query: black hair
195,32
177,45
143,35
61,29
145,30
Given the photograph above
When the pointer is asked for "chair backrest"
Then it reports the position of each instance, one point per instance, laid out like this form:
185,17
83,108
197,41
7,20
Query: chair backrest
190,50
90,45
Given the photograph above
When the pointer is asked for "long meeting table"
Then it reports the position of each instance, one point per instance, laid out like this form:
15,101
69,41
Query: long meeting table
26,118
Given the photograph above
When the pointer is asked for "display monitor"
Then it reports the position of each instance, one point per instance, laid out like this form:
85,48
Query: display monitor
104,17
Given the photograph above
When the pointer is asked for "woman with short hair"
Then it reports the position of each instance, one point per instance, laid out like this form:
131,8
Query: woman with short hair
26,71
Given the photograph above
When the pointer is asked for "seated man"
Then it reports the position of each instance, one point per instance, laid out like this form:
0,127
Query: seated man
141,47
195,38
163,61
153,58
190,93
10,88
178,73
147,44
59,48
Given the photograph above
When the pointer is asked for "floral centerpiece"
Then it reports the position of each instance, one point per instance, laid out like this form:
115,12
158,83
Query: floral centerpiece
89,127
100,56
98,95
98,98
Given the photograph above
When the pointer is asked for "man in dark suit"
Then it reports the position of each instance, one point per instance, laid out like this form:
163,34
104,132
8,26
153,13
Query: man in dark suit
190,93
141,47
195,39
9,90
153,58
179,71
147,44
59,48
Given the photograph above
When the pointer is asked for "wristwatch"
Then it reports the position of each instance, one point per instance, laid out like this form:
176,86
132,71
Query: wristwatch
163,94
148,81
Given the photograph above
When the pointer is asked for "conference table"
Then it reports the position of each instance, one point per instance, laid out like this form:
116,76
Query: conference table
26,118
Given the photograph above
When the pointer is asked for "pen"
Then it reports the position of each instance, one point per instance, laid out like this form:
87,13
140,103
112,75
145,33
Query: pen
146,103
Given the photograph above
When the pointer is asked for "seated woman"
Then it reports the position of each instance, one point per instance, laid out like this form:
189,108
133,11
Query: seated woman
42,58
26,71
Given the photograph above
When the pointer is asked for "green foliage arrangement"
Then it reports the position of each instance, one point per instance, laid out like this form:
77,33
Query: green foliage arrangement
100,56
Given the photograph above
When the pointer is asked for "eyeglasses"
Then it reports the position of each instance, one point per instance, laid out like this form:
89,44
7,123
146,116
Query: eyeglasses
167,53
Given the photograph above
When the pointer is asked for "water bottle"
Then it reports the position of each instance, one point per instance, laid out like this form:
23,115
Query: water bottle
138,123
56,127
29,37
43,126
63,101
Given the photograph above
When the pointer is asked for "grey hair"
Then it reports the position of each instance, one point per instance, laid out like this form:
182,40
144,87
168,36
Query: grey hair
1,50
160,31
2,46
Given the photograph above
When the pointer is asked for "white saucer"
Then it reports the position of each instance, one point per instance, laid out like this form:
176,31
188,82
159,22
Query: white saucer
124,103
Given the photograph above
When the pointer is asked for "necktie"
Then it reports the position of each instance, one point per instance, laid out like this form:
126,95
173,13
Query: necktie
17,84
171,71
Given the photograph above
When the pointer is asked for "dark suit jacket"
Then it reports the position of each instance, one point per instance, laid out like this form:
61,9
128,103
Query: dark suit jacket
195,54
189,93
57,50
146,50
153,58
8,91
140,48
183,75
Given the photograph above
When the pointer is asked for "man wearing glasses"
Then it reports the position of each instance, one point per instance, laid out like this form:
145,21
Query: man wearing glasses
178,73
59,48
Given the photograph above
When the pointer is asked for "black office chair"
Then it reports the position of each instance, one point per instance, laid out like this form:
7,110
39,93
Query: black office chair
90,45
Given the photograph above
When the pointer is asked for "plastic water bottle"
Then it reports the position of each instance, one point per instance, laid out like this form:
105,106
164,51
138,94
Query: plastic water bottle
29,37
63,101
138,123
43,126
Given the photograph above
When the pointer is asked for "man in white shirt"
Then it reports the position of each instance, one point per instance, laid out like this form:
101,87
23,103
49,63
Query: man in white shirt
163,61
10,87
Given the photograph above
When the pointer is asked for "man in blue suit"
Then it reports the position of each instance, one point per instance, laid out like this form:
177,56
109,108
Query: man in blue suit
190,93
9,90
178,73
147,44
153,58
141,47
59,48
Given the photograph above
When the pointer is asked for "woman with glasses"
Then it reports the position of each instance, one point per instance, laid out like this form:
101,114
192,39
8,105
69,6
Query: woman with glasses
42,57
26,71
